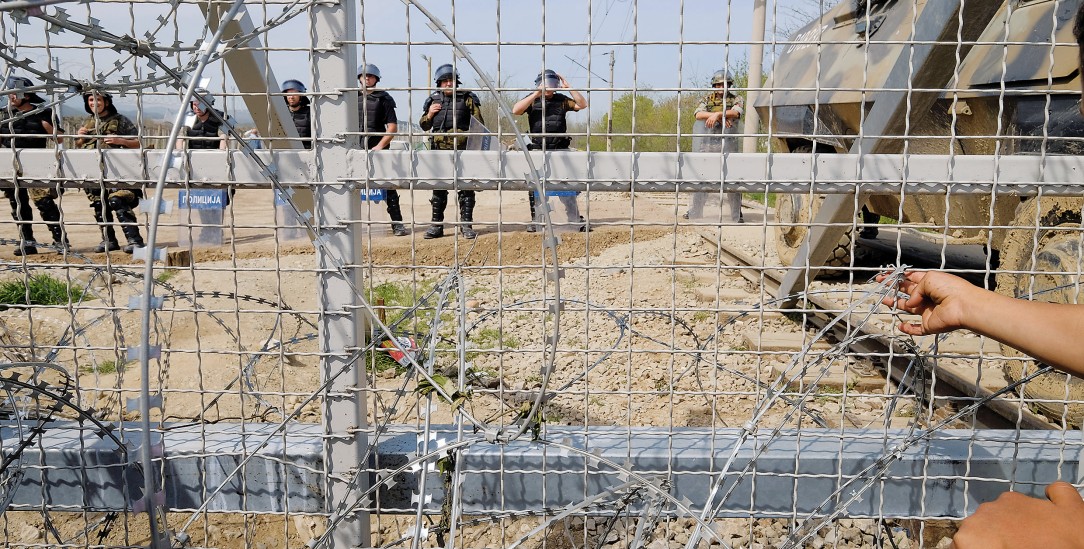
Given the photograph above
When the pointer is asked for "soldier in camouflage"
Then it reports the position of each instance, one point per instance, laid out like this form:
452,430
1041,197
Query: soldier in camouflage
449,111
719,113
108,129
23,128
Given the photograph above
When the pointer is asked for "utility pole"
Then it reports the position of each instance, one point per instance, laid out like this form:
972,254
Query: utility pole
610,117
753,82
429,66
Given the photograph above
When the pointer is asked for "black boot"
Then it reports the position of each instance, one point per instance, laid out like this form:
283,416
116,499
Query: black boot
129,224
23,215
439,202
466,213
105,223
396,214
50,214
531,227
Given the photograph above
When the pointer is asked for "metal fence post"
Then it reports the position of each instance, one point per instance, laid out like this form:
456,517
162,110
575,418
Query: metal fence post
343,331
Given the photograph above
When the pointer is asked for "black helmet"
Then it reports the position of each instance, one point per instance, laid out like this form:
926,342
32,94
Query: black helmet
722,76
550,77
18,82
293,85
446,72
369,68
104,95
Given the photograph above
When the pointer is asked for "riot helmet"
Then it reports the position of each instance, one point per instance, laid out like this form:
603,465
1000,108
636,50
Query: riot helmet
369,68
17,82
446,72
209,100
295,85
549,77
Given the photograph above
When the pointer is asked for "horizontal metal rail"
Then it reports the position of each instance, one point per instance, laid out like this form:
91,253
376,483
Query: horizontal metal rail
943,474
595,171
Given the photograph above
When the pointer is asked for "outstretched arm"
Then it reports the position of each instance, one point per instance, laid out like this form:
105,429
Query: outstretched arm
1050,332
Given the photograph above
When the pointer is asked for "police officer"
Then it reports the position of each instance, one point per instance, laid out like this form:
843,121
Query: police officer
546,110
299,110
376,115
719,112
448,111
108,129
205,132
20,130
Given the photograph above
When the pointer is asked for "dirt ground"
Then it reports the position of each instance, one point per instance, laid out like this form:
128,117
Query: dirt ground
643,338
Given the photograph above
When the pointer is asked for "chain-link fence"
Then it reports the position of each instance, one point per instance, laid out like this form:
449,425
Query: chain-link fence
548,274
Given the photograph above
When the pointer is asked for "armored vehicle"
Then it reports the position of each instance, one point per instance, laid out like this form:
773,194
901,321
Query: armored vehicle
1015,89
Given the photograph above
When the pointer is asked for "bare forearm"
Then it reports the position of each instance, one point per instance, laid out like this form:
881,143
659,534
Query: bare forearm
522,105
1050,332
581,101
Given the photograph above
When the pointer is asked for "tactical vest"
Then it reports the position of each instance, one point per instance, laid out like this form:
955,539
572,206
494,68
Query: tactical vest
371,116
303,123
554,109
714,103
719,141
456,105
18,129
110,125
204,134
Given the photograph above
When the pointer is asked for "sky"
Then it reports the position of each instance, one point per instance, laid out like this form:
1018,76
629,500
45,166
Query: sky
656,44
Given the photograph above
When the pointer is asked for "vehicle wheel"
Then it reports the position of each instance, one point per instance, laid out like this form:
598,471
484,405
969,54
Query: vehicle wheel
793,215
1049,264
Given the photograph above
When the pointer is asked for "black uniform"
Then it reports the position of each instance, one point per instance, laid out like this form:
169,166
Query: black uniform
376,110
28,132
548,116
303,122
203,134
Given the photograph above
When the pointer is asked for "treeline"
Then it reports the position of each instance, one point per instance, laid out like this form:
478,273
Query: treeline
658,120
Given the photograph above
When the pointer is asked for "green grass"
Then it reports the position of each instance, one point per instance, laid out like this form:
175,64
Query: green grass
166,274
381,361
40,289
108,367
759,198
701,316
400,296
490,338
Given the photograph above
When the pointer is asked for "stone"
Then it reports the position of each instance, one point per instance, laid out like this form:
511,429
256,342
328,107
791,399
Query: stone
29,533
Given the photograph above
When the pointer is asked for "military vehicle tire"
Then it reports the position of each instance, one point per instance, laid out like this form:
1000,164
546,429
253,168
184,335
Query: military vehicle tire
1056,249
793,215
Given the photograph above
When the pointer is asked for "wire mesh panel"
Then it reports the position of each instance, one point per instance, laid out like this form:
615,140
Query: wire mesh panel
548,274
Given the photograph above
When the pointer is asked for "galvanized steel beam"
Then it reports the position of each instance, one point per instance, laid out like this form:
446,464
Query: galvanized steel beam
595,171
947,475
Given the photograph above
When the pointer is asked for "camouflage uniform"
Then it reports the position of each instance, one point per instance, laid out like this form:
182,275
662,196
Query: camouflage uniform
119,202
18,132
706,141
454,117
